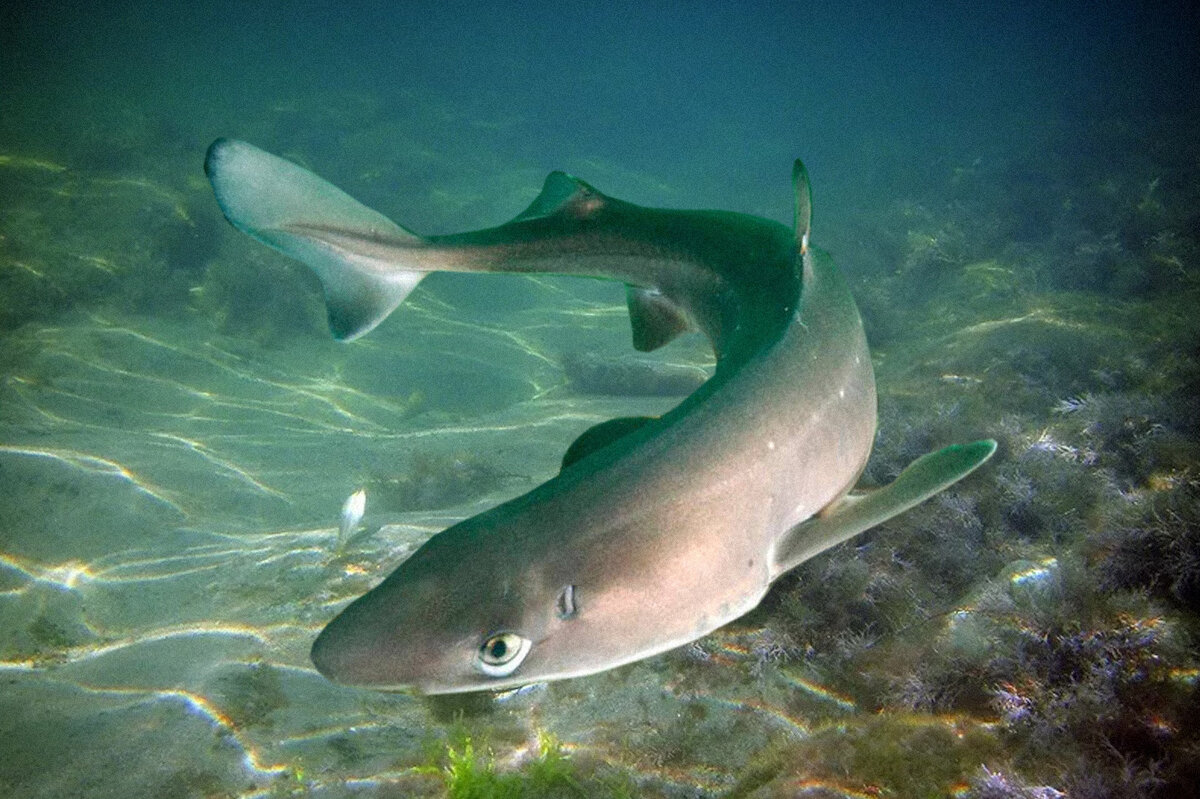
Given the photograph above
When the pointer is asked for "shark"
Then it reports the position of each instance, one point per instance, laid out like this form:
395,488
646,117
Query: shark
656,531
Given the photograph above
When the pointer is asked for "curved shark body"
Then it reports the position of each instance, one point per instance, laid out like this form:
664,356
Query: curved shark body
656,531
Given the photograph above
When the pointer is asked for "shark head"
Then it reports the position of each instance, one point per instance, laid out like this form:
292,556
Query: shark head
548,586
475,608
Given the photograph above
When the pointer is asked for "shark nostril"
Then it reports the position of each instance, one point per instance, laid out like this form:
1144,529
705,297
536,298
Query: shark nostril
567,606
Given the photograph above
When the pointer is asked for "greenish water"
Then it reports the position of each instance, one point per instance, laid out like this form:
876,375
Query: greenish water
1018,218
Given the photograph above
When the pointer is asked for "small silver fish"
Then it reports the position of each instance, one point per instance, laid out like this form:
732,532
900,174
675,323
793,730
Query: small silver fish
352,513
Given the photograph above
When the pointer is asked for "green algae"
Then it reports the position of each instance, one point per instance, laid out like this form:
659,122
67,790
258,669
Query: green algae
902,755
548,773
911,757
249,695
438,480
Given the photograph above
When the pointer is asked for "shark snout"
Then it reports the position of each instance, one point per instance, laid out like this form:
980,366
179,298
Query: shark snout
347,653
331,659
366,645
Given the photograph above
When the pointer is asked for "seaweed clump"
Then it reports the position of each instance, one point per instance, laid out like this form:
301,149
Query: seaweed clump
905,755
250,695
1082,643
1160,552
471,772
592,374
435,481
996,785
1084,680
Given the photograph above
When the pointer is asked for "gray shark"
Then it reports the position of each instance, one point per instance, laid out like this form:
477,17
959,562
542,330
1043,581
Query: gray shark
657,531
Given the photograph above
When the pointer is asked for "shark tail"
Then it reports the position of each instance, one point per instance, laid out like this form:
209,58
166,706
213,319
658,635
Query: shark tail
304,216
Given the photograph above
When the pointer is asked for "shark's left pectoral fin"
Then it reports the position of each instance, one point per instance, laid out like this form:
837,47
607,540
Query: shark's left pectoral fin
923,478
600,436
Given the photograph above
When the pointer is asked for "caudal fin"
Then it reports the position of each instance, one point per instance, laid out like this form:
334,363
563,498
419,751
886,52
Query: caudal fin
352,248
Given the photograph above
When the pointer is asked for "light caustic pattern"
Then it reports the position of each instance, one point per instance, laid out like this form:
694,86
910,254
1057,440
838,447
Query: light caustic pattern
160,555
170,545
194,475
211,624
241,670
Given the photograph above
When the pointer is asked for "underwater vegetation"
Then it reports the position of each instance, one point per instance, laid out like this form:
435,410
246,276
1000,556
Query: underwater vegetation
1059,595
990,784
1082,645
589,373
438,480
1031,634
469,771
1159,552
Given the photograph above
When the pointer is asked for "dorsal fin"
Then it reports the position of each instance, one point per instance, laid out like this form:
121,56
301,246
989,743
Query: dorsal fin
655,319
803,221
563,194
601,435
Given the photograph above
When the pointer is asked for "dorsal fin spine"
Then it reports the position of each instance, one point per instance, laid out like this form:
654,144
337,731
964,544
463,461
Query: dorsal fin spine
803,220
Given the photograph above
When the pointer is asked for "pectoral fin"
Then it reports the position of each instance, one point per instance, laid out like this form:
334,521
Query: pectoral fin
601,436
923,478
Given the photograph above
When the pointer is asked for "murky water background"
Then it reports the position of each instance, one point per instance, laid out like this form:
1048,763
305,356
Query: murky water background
1011,194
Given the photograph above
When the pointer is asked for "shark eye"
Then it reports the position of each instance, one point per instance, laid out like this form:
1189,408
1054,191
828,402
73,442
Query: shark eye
502,653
